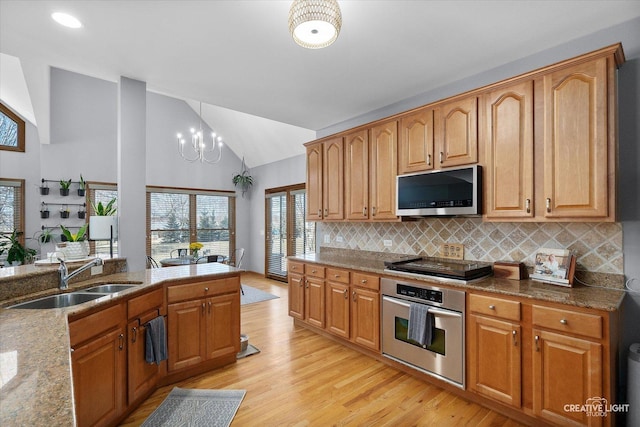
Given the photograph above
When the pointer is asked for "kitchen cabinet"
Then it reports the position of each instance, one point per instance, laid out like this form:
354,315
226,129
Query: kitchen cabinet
370,172
416,140
365,310
203,322
459,132
495,348
578,121
306,293
508,126
325,180
98,360
142,377
338,307
296,289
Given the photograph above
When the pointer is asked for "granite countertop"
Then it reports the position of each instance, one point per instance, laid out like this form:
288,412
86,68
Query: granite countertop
35,361
600,298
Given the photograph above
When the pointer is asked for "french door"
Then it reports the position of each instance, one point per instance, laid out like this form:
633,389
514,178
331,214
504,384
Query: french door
286,232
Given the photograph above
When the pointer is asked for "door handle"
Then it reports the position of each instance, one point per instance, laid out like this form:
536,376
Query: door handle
134,334
527,204
120,341
441,157
428,159
514,334
537,341
346,294
354,296
548,205
209,307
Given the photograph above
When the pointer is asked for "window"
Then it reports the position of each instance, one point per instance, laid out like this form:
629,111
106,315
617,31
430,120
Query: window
101,192
178,217
287,233
12,206
11,130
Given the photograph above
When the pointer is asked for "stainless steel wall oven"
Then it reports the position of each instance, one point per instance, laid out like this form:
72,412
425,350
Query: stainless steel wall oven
444,357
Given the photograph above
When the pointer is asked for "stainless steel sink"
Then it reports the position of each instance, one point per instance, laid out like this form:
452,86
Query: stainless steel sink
108,288
58,301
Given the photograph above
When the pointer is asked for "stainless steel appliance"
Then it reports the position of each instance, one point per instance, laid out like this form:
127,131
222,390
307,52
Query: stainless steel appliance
441,267
445,192
444,357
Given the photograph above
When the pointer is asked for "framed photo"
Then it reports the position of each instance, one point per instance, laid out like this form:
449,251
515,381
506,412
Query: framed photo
552,264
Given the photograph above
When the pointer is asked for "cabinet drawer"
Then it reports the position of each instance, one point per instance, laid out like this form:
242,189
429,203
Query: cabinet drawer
338,275
368,281
296,267
495,307
589,325
96,324
198,290
312,270
146,302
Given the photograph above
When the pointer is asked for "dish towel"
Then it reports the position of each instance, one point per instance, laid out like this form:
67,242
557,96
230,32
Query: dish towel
420,328
156,341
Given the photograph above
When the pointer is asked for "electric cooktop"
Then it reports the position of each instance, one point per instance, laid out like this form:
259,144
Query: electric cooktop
441,267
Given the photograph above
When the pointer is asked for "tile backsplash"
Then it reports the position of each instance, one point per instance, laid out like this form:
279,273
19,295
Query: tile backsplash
597,245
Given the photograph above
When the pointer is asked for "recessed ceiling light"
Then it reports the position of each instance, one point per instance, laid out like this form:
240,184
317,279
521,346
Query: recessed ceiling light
66,20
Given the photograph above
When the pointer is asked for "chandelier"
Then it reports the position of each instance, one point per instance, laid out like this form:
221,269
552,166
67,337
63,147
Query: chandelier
199,149
315,24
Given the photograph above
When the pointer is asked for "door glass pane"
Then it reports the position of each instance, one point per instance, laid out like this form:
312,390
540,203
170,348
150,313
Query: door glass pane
169,223
105,196
437,342
277,234
212,224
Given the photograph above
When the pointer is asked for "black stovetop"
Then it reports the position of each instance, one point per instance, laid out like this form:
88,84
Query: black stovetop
441,267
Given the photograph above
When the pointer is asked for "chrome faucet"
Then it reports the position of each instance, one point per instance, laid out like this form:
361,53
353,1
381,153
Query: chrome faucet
65,276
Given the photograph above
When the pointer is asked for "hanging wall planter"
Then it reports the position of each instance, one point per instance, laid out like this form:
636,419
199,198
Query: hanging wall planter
64,187
243,179
44,191
64,214
82,214
44,214
81,188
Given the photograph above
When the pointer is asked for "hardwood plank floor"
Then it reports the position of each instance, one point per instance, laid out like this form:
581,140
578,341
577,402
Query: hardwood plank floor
303,379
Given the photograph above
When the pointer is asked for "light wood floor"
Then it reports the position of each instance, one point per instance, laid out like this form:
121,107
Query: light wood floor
303,379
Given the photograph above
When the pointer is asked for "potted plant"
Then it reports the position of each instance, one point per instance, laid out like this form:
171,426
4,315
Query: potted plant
82,187
44,211
64,212
195,247
243,179
103,223
75,245
44,236
64,187
82,213
44,188
16,253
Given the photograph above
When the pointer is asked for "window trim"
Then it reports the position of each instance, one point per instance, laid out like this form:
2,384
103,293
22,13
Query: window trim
21,129
18,183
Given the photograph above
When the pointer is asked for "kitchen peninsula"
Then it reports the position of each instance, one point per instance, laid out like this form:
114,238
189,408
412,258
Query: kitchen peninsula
36,366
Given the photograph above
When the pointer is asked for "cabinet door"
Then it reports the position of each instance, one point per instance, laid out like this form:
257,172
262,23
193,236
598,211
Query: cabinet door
314,302
383,168
357,175
314,182
566,371
416,141
338,309
186,331
142,376
296,295
99,379
365,318
333,179
509,141
575,141
495,359
223,325
459,139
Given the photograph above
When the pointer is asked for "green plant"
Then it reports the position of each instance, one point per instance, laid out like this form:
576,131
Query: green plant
77,237
14,249
44,236
83,183
243,179
64,185
104,210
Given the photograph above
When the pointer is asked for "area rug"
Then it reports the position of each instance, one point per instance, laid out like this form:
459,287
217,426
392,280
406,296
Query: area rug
196,408
253,295
248,352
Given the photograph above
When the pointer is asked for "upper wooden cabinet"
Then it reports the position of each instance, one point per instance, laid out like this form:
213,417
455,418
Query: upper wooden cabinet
356,175
325,180
508,138
416,140
459,132
576,144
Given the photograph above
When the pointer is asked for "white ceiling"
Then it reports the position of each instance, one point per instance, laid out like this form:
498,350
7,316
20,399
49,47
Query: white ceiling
239,55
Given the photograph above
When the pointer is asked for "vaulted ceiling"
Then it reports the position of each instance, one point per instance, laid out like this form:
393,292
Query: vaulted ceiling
238,55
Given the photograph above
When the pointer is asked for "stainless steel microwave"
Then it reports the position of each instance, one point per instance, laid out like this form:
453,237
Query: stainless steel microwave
446,192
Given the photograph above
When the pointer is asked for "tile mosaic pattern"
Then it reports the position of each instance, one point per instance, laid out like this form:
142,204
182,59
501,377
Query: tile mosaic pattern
598,245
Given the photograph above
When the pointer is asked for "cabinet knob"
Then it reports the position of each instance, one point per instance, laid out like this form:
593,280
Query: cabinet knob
336,275
293,267
492,307
363,281
563,321
206,289
527,204
314,271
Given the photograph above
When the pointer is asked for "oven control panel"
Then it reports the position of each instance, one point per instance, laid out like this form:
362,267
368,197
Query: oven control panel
424,294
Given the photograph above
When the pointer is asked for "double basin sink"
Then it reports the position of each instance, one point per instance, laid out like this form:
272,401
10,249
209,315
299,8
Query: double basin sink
74,298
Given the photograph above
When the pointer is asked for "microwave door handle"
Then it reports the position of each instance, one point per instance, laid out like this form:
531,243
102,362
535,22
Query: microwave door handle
435,311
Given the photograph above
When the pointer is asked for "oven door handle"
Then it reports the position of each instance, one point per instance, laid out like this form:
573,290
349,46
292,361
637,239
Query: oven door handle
435,311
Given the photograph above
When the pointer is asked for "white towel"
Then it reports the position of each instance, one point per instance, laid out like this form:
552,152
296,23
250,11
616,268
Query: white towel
420,328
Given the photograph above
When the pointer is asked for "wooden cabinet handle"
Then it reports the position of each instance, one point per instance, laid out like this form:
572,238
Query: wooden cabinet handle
441,157
134,334
300,282
548,204
563,321
346,294
428,159
209,307
307,284
120,341
537,340
320,213
515,341
364,211
326,211
527,204
203,309
354,296
492,307
373,211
